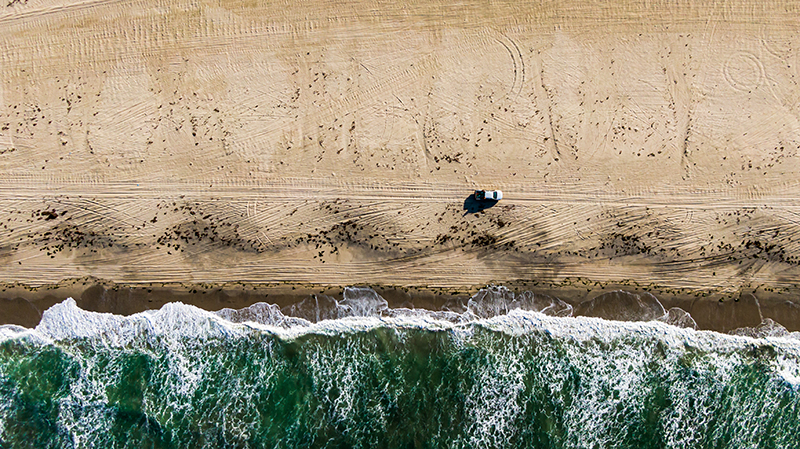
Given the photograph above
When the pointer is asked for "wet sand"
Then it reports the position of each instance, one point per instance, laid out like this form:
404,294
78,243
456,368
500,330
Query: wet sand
719,312
638,143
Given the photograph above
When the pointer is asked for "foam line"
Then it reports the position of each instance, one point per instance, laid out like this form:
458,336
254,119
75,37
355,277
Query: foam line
67,321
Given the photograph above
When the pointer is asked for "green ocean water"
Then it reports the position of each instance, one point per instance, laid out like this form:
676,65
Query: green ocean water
181,377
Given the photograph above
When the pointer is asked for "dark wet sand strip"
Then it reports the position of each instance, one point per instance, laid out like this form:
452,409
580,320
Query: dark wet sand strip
724,312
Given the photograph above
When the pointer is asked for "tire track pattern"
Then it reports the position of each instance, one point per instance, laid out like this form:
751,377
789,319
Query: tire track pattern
373,233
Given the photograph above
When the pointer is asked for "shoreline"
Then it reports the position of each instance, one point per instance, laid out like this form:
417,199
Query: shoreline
298,147
721,311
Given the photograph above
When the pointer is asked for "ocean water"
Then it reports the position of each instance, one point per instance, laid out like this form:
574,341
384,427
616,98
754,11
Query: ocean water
353,373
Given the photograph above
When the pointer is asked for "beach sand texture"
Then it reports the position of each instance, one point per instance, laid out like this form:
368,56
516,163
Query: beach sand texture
653,142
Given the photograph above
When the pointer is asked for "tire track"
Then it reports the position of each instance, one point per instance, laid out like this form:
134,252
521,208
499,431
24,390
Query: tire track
23,187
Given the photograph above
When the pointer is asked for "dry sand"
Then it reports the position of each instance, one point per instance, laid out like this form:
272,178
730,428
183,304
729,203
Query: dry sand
638,143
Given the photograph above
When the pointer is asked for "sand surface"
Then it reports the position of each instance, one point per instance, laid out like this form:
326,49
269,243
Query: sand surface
645,142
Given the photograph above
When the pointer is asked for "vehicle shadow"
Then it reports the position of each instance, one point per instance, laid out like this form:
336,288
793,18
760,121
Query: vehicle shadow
472,205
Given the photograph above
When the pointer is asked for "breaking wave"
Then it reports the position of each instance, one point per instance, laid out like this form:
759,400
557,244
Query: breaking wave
503,371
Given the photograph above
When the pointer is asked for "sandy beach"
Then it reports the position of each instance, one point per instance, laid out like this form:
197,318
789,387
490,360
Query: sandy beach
186,147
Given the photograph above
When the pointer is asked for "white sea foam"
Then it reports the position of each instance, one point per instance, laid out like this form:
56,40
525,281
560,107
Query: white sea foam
66,321
614,362
12,331
426,316
262,313
361,301
498,300
494,398
789,369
